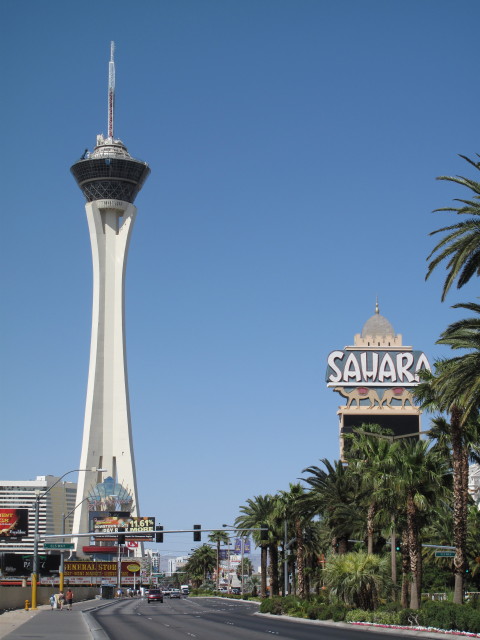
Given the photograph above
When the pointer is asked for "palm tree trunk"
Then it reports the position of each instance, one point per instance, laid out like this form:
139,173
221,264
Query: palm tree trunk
342,545
300,559
405,569
274,585
370,527
218,564
460,484
393,558
414,549
263,570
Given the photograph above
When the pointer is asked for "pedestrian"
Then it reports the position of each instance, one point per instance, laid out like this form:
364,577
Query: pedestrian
53,602
59,599
69,599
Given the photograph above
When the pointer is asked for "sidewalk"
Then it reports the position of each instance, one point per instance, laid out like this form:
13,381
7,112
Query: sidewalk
47,624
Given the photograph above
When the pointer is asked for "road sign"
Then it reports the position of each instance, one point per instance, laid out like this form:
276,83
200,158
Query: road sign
59,545
444,554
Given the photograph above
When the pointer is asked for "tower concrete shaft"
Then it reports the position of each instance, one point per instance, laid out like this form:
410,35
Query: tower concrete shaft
107,437
110,180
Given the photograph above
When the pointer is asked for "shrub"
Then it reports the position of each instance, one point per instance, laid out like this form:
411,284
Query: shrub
324,612
358,579
358,615
272,605
386,617
338,612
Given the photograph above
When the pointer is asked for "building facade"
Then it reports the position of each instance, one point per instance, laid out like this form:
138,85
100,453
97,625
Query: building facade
56,507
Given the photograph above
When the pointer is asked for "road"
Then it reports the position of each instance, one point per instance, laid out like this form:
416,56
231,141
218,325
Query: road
212,619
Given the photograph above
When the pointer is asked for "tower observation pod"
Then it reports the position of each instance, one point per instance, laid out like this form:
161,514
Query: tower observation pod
110,180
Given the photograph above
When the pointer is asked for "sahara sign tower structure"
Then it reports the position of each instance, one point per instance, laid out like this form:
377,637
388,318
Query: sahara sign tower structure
376,376
110,179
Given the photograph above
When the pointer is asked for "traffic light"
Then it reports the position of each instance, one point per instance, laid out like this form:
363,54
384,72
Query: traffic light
264,532
121,539
398,548
197,536
159,534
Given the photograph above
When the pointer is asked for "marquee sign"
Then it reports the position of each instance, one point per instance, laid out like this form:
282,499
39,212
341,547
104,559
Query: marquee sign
375,368
136,528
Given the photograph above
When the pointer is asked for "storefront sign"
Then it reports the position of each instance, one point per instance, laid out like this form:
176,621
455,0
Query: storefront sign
99,569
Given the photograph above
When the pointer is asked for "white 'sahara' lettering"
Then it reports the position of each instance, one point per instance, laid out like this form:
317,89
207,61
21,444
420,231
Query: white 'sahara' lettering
369,367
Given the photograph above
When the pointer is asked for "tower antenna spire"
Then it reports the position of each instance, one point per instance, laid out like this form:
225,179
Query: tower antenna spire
111,90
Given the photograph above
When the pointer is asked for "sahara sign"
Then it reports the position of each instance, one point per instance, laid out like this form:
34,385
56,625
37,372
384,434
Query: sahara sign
375,368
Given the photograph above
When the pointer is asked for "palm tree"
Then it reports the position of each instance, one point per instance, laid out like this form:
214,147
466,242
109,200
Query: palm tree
368,452
256,512
218,537
417,475
291,506
201,563
358,579
334,496
245,569
454,387
461,244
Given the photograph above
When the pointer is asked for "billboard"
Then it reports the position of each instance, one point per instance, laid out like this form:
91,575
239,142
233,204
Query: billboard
13,523
21,565
135,527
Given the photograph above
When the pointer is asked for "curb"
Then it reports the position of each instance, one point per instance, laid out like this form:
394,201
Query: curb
96,631
414,632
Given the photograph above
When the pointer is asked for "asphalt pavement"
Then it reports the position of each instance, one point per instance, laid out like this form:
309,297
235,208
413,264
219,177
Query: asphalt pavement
45,624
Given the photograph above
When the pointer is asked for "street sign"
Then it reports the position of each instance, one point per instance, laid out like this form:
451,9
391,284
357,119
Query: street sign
59,545
444,554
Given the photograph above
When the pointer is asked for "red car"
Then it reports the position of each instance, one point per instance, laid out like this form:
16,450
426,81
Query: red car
155,595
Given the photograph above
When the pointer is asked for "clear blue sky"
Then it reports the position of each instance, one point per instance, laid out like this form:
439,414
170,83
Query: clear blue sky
294,146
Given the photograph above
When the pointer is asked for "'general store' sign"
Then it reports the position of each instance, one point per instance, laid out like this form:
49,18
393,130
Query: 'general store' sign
375,368
99,569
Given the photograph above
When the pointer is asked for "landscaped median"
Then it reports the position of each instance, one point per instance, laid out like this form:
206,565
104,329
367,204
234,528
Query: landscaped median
433,616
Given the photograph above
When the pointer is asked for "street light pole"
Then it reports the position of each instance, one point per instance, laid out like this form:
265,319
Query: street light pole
243,569
36,534
285,559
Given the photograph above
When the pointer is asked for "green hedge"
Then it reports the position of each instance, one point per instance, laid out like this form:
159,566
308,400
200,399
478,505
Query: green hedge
439,615
314,608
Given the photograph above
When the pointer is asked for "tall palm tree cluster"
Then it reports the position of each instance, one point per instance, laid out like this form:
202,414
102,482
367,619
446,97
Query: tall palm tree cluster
394,496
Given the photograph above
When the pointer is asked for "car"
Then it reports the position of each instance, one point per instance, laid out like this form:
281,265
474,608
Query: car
155,595
175,593
166,591
237,591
